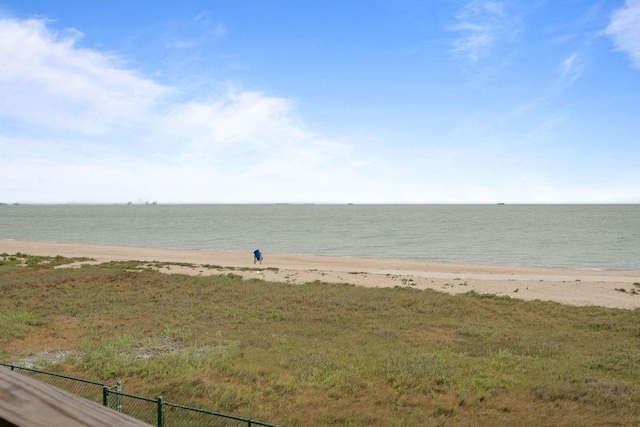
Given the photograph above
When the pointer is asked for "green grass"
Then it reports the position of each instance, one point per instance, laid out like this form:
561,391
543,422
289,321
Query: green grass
15,324
328,354
34,260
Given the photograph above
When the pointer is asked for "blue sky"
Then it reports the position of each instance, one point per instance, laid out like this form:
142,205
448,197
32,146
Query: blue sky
395,101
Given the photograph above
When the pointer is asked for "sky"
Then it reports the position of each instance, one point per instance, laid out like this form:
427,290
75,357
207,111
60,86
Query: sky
333,101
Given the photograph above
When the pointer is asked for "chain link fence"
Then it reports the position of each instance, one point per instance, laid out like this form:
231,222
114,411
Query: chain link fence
153,411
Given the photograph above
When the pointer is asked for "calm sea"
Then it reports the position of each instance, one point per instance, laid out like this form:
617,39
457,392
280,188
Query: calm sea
582,236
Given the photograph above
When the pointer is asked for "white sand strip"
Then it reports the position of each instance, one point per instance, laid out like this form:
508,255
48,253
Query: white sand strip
567,286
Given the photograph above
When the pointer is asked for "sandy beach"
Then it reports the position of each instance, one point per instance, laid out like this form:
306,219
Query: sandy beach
566,286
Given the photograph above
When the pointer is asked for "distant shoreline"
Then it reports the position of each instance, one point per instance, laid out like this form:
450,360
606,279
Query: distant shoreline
567,286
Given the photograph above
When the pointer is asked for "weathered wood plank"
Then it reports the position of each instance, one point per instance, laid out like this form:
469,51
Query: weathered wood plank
25,401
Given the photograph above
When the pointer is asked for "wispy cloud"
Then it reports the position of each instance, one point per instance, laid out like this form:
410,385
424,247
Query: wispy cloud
482,24
624,29
203,29
570,69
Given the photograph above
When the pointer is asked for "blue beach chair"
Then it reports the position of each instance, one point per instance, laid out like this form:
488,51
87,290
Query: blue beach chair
257,256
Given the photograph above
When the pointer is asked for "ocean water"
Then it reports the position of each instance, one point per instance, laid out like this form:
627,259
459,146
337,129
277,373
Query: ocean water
581,236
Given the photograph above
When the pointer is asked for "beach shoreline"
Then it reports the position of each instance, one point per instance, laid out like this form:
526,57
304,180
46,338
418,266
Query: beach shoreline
607,288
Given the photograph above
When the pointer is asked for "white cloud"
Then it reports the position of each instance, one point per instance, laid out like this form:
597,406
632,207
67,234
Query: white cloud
76,125
247,116
81,127
624,29
47,80
248,132
482,24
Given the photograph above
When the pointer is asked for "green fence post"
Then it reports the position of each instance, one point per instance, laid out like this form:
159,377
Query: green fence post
105,395
160,421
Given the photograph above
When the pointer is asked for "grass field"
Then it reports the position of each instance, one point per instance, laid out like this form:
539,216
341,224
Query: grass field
324,354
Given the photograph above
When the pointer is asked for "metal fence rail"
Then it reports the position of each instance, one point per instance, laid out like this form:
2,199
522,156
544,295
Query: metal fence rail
153,411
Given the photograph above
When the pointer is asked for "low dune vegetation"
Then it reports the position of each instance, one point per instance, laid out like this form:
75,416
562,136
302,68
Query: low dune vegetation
320,353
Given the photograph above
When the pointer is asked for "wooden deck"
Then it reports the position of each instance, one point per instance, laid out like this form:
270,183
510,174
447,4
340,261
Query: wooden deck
25,401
